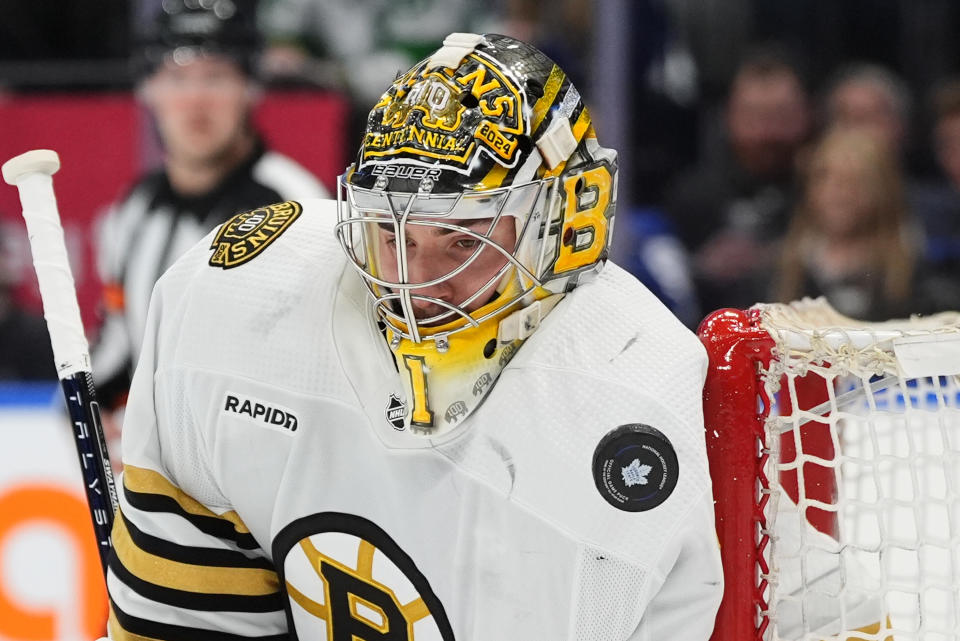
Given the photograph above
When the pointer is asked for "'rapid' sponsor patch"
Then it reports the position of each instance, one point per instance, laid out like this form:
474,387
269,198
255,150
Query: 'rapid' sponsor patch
272,416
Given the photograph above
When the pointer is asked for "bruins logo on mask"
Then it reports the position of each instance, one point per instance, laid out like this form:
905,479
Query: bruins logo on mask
348,580
448,115
247,234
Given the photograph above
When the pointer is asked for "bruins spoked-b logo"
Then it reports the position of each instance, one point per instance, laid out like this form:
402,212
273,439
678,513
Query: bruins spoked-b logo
635,467
347,580
247,234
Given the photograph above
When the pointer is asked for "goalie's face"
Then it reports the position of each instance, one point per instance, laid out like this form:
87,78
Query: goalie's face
446,266
437,264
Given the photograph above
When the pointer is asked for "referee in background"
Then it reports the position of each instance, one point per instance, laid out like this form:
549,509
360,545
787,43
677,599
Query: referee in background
196,65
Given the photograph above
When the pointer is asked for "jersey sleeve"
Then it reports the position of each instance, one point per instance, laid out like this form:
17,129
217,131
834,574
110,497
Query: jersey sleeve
181,571
181,568
690,580
632,415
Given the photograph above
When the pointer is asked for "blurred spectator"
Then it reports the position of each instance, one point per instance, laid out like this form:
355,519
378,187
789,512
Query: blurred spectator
196,62
917,38
947,130
663,87
943,230
651,251
562,29
851,239
25,352
873,98
730,209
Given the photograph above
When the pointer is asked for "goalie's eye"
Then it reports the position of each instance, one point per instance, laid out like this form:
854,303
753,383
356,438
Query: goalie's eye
391,242
467,243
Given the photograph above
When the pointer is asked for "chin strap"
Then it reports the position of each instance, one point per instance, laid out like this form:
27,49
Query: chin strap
524,322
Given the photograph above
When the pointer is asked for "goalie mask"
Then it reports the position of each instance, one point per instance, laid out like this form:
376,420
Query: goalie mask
479,197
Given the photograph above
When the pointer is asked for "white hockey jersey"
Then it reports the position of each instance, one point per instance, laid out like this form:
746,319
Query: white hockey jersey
140,237
268,494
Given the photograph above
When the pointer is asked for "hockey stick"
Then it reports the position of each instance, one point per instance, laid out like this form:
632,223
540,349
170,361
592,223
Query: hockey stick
32,174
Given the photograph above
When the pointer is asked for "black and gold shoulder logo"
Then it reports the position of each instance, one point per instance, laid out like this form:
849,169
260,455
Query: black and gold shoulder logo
247,234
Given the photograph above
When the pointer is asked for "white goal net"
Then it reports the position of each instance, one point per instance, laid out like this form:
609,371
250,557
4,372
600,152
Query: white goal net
857,499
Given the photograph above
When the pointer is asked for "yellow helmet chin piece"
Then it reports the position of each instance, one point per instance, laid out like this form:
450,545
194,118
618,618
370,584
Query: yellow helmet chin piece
446,378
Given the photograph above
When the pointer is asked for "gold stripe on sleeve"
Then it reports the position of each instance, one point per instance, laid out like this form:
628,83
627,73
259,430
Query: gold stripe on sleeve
188,577
144,481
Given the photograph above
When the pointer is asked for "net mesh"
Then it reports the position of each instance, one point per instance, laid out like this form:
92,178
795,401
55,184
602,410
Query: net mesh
860,488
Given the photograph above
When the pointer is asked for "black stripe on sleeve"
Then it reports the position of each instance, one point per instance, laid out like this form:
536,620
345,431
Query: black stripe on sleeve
168,632
214,557
194,600
220,528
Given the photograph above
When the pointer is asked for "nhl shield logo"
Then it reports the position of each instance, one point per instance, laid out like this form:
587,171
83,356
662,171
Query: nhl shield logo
396,411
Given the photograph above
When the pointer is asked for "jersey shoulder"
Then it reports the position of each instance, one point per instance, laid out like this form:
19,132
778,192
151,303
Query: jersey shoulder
615,329
262,241
283,227
255,294
607,396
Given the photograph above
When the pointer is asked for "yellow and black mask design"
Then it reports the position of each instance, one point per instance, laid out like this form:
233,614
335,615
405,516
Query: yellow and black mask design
486,143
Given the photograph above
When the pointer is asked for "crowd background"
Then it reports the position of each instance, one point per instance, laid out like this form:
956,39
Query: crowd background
769,149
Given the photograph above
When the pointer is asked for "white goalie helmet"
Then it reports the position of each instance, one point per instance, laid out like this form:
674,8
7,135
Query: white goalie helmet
479,197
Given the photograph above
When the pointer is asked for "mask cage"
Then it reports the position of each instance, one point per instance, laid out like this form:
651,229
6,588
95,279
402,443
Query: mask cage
364,212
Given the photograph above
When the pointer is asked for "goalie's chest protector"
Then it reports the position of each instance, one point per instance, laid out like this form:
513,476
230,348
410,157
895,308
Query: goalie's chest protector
497,532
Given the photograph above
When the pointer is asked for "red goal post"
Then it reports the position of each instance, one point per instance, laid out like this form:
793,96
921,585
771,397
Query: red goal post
834,448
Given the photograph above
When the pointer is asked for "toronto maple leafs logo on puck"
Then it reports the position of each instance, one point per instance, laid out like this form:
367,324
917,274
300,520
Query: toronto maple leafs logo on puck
635,467
635,473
